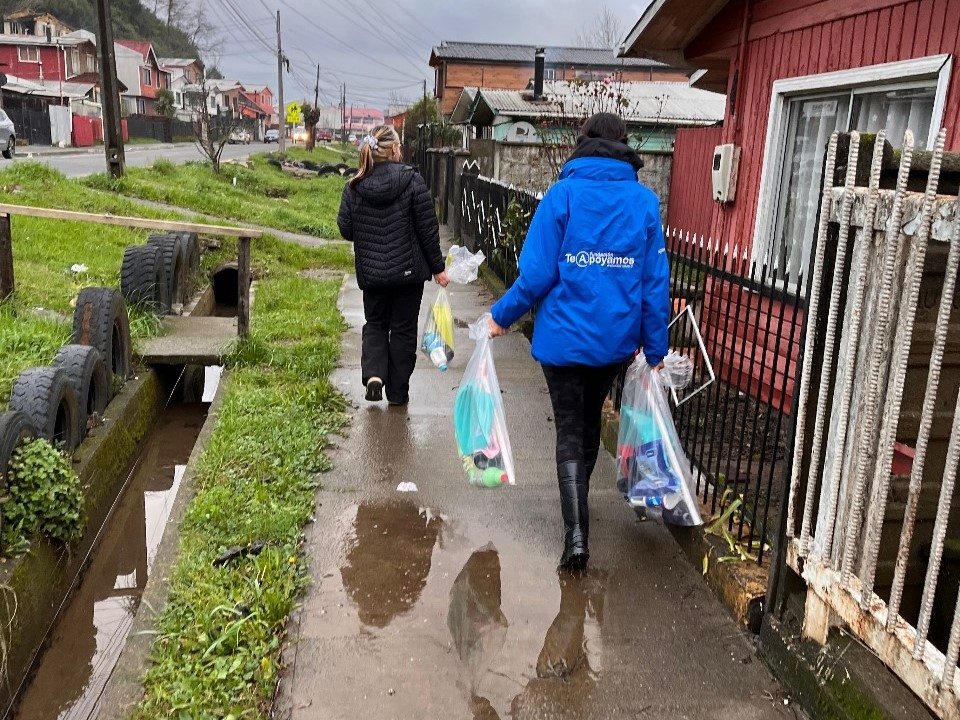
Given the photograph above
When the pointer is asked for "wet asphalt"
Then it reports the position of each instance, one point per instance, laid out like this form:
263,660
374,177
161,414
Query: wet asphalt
446,602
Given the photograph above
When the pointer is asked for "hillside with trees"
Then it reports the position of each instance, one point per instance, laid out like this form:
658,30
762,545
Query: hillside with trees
177,28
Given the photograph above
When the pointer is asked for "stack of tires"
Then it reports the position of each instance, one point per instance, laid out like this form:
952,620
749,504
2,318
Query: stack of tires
59,403
162,273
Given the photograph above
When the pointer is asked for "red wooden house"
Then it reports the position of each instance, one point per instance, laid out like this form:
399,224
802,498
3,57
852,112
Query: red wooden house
794,72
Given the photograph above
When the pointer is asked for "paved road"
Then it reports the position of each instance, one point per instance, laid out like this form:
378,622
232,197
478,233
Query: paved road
446,602
79,164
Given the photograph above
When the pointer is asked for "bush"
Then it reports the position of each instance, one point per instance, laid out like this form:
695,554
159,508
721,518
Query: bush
45,497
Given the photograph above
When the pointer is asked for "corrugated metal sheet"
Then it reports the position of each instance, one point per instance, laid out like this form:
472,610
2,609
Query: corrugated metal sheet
500,53
673,103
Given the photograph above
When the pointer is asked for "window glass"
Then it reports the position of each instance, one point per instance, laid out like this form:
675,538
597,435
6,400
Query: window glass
810,122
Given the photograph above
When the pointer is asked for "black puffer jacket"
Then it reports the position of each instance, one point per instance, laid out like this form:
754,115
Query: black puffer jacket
390,219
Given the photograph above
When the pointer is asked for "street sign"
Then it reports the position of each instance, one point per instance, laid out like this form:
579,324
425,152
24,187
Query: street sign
294,113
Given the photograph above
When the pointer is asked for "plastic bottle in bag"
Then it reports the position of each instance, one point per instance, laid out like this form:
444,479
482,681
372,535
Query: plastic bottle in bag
436,350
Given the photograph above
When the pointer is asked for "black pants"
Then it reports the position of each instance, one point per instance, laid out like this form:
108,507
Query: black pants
390,337
578,393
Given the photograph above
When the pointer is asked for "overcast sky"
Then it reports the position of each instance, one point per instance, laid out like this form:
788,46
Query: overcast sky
347,39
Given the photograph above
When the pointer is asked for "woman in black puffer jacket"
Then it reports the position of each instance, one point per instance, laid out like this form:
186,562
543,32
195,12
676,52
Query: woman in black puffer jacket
388,214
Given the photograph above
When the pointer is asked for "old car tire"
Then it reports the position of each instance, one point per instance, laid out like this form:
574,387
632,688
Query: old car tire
11,149
88,375
143,280
100,320
171,251
46,397
190,249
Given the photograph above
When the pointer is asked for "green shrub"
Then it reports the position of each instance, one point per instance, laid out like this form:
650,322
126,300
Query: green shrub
45,497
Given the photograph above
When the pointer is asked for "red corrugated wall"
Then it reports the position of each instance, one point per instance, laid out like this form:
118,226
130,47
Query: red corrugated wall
691,188
792,38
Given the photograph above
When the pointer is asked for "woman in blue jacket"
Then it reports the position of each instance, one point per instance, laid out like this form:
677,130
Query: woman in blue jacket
595,267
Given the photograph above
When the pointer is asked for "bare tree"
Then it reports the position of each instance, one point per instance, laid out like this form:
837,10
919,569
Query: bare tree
202,31
212,133
606,31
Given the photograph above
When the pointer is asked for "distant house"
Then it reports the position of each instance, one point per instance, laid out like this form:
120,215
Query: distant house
263,96
186,74
652,111
511,67
139,69
362,120
30,23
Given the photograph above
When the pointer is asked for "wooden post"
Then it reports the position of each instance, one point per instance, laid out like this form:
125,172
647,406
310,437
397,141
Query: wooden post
243,291
6,258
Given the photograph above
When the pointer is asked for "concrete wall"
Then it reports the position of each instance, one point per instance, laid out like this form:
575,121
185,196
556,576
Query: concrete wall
525,165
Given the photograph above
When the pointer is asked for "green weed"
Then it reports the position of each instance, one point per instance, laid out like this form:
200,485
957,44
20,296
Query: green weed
45,497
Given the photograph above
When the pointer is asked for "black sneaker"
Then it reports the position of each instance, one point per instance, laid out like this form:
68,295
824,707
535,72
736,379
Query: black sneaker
374,390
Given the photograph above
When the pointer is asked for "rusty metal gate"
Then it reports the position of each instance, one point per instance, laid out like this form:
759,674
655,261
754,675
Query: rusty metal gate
871,502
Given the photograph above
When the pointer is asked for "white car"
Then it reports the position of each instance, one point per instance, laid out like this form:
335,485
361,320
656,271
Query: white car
239,136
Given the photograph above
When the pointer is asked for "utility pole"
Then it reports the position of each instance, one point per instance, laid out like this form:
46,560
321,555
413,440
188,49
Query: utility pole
282,143
112,127
316,91
343,113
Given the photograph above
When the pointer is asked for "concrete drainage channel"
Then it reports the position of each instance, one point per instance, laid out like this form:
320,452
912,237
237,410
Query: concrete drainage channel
73,610
92,628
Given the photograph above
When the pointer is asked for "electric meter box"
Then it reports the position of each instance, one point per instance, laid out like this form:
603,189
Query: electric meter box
726,160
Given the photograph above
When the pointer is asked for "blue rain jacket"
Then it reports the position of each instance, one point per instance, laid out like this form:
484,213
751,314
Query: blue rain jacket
595,267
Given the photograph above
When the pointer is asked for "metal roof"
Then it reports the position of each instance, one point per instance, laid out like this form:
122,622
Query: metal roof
461,111
177,62
568,56
668,103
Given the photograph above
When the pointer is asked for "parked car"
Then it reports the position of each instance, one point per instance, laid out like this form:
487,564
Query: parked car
299,134
272,136
353,139
324,136
8,136
239,136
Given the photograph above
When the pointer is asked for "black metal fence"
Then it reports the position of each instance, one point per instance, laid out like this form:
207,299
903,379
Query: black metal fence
736,430
161,129
30,124
495,219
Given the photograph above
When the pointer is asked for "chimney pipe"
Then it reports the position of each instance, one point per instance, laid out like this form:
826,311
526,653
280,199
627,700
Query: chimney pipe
538,74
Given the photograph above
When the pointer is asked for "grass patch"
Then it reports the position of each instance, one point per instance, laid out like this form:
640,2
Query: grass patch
263,195
217,652
143,141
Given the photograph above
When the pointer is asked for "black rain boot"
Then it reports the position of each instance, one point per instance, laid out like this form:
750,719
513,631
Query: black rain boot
573,506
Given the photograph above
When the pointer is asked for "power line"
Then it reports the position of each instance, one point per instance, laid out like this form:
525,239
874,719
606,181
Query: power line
354,50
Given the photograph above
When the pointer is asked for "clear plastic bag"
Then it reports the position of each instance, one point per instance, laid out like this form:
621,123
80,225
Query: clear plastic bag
436,339
479,419
463,266
652,469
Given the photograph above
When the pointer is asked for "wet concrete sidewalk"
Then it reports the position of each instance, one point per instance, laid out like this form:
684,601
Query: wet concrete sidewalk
446,603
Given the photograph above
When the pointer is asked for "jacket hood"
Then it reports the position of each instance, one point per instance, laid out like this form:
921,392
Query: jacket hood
385,183
596,158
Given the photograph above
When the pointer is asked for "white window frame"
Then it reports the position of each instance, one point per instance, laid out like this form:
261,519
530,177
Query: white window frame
550,74
28,49
937,67
146,76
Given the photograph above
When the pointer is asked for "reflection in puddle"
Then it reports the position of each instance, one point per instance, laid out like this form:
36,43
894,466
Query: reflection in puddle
564,679
388,563
476,622
92,630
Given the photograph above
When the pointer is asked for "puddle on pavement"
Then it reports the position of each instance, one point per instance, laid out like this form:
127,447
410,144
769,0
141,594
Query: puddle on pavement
523,651
92,629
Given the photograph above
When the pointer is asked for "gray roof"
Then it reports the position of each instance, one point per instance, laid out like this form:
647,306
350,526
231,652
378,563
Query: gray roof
667,103
177,62
568,56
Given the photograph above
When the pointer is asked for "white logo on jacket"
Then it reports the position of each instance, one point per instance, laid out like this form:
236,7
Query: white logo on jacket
585,259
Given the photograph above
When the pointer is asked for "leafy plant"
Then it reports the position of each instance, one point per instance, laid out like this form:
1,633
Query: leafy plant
45,497
165,103
729,513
